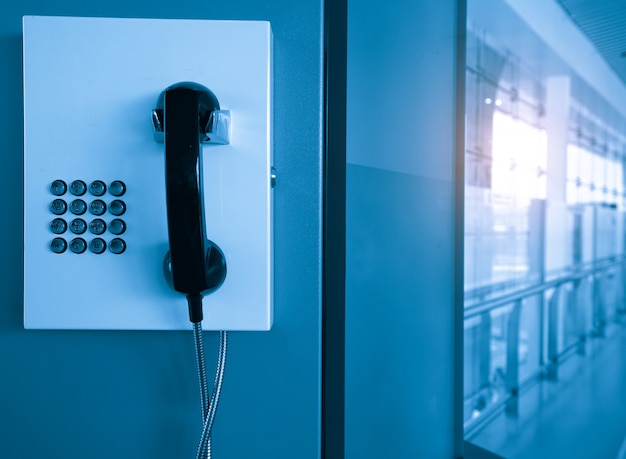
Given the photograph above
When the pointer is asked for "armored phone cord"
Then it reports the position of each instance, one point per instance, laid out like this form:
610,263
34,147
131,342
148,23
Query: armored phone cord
209,406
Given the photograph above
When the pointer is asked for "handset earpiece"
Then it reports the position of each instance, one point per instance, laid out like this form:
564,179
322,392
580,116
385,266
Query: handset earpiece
187,115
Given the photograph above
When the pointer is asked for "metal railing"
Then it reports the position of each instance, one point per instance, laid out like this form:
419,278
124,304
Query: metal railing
549,296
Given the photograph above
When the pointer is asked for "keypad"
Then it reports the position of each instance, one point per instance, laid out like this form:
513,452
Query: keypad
78,245
98,226
97,188
58,226
78,188
87,217
98,207
117,188
58,245
58,207
98,245
58,188
78,207
78,226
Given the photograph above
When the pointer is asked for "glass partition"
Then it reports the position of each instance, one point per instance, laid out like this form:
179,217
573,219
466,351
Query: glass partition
544,268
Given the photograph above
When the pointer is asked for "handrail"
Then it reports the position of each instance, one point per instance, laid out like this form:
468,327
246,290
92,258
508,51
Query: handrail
494,303
548,367
477,294
474,425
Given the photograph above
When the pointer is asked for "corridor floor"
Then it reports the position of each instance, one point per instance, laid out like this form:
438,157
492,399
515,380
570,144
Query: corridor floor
582,415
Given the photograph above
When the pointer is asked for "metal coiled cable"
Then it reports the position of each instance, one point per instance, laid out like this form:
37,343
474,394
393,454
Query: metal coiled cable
209,407
201,363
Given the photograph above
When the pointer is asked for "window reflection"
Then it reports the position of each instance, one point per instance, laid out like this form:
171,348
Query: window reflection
522,231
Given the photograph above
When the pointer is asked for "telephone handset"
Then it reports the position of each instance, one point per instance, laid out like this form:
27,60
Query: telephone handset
187,115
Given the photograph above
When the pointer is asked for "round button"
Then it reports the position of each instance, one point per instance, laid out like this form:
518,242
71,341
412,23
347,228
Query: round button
117,207
78,245
117,188
58,245
97,207
78,226
58,207
58,187
97,226
78,207
58,226
117,226
97,245
117,246
78,188
97,188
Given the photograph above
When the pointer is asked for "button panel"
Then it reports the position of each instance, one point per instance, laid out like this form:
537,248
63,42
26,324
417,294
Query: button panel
78,226
71,235
78,188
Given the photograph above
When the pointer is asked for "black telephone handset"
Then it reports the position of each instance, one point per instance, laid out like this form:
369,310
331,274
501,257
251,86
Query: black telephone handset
194,265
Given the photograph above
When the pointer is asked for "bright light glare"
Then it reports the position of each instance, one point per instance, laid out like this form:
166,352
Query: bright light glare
520,155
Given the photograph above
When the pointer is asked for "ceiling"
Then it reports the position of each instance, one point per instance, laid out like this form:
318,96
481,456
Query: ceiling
604,22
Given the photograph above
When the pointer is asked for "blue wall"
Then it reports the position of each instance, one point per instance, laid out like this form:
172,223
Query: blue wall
82,394
403,284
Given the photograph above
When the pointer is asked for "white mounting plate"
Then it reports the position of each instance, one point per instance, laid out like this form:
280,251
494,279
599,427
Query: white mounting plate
90,85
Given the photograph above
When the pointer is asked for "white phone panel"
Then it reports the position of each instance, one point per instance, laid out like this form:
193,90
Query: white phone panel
90,85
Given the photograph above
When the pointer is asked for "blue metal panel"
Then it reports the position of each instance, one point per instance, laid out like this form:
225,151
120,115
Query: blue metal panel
402,276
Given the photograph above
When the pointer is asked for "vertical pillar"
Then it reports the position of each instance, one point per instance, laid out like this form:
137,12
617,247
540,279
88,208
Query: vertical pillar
484,349
553,329
557,120
537,265
581,348
512,359
599,313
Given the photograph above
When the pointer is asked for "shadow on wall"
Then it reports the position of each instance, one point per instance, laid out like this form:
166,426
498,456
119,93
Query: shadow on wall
11,178
473,451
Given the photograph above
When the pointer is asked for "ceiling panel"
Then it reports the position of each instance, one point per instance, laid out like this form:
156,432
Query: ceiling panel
604,22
